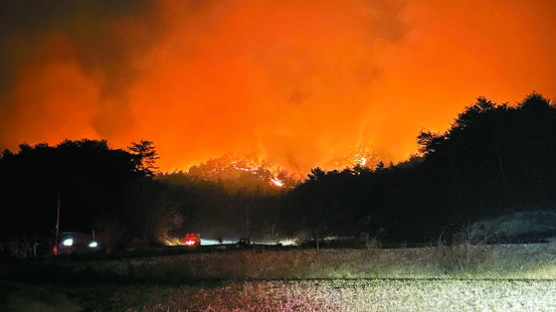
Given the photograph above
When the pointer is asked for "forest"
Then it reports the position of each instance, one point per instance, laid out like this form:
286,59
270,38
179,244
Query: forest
494,160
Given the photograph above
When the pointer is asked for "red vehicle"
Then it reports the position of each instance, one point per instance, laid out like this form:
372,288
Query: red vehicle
192,239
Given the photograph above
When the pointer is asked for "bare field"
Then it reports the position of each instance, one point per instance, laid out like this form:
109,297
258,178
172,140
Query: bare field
460,277
464,261
323,295
373,295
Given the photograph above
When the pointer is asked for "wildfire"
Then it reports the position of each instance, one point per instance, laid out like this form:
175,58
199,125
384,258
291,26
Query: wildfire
244,171
294,82
277,182
363,161
360,156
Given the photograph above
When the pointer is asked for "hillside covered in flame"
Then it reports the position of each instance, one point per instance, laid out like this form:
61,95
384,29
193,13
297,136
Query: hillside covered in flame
238,174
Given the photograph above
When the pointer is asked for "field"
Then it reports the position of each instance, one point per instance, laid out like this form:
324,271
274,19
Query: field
441,278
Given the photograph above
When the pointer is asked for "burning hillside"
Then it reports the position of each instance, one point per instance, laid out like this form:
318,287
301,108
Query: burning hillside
244,172
237,173
360,156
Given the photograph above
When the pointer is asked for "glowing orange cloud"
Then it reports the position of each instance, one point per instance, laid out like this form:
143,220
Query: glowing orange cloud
297,82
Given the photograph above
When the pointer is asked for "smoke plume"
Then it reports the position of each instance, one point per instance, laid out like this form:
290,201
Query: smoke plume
299,83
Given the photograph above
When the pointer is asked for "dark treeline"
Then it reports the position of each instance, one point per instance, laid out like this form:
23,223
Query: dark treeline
89,178
494,160
116,193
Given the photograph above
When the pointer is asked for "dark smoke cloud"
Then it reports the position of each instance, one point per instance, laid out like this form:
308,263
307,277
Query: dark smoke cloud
100,35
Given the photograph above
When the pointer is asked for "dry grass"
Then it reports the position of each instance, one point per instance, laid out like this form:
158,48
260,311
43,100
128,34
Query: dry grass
340,295
458,277
460,260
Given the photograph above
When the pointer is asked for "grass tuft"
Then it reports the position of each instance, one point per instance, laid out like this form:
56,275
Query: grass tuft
461,256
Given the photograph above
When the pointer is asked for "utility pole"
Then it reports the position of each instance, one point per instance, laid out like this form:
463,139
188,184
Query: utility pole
57,226
248,231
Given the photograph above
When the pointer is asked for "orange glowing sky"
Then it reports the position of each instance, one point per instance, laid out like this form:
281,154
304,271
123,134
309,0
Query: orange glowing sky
295,82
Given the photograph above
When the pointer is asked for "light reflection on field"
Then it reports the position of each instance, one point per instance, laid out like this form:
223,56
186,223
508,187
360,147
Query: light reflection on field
230,241
210,242
283,242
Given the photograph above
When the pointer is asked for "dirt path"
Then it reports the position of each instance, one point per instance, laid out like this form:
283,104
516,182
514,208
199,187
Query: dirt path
20,297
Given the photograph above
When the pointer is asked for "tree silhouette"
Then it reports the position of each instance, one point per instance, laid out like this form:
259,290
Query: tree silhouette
146,156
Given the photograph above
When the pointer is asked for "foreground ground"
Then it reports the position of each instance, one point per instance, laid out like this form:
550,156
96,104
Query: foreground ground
460,277
303,295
